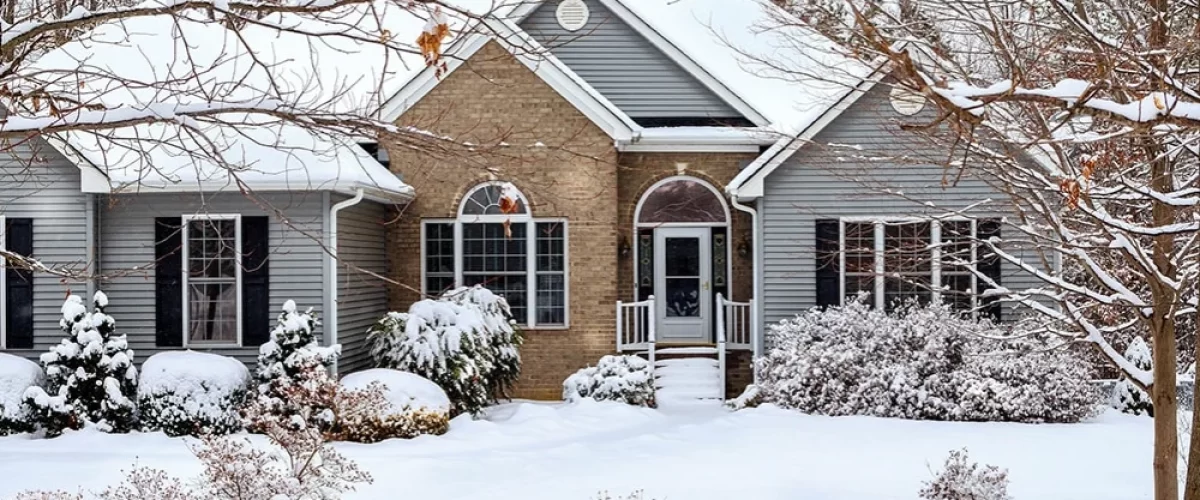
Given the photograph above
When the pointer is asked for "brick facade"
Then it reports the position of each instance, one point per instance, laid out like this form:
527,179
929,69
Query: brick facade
567,167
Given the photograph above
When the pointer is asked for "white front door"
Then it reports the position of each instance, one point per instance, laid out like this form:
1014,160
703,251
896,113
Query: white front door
682,288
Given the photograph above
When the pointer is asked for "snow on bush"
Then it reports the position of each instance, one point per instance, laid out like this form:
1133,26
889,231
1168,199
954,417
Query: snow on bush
381,404
90,377
962,479
16,376
292,357
921,362
464,341
627,379
1127,396
192,393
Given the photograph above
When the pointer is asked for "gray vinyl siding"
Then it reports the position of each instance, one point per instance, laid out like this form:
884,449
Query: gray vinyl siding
625,67
362,298
127,255
46,190
822,181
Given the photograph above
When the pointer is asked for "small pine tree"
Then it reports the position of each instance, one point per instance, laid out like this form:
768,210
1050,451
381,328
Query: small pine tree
1127,396
90,375
292,356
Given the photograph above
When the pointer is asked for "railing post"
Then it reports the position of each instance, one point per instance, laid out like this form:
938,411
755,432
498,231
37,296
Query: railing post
720,318
721,342
755,339
651,315
620,328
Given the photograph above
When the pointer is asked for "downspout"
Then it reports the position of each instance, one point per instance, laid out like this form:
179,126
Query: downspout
331,316
91,241
755,326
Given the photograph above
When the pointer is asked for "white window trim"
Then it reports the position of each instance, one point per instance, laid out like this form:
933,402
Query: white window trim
3,284
531,272
637,210
935,241
237,231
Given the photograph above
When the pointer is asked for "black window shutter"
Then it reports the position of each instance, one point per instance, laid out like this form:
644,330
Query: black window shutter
256,280
19,284
168,282
989,264
827,262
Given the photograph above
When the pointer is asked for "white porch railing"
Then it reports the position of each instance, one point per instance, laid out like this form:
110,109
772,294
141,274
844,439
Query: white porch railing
635,327
735,323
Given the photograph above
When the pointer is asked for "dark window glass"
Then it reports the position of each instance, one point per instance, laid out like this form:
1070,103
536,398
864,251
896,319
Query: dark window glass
439,257
684,200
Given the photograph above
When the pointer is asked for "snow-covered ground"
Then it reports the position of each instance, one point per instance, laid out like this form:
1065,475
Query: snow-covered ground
533,451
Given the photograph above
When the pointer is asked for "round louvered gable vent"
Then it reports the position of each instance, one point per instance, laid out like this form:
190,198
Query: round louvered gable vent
572,14
906,102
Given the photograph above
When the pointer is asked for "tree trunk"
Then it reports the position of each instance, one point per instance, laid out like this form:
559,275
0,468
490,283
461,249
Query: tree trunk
1191,490
1162,330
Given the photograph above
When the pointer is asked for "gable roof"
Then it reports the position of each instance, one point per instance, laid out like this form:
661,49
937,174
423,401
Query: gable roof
722,43
532,55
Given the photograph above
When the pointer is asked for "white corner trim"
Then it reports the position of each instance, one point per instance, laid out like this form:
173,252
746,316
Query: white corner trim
749,183
686,62
534,56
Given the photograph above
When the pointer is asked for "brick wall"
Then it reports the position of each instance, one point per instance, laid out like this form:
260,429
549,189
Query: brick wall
494,99
567,167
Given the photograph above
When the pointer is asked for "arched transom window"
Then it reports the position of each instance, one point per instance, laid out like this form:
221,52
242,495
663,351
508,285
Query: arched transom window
495,242
682,200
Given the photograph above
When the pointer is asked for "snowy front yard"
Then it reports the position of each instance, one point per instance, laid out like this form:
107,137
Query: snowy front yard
561,452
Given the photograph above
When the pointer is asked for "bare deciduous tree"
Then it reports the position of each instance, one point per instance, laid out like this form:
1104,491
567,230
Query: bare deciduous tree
1085,113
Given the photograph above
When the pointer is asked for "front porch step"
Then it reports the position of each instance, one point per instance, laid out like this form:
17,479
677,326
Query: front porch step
687,363
692,377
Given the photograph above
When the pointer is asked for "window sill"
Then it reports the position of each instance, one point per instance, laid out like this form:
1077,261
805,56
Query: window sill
547,328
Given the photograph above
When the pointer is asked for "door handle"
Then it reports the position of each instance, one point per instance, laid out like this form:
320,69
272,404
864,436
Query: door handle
706,285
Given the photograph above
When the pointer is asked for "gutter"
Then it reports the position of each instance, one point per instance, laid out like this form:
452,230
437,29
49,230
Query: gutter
331,242
755,326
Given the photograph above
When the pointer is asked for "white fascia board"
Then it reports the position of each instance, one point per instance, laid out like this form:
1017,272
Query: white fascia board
373,193
619,126
687,63
91,178
688,148
535,57
420,85
749,183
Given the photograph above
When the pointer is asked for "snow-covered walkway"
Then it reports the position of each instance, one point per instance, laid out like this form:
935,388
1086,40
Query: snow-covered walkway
532,451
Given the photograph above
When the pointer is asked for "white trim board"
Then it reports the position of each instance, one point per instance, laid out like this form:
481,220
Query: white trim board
748,184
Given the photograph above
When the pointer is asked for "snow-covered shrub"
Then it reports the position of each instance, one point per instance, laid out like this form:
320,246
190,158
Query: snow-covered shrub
962,479
920,362
1127,396
187,392
299,464
292,358
90,377
380,404
627,379
16,376
464,341
749,398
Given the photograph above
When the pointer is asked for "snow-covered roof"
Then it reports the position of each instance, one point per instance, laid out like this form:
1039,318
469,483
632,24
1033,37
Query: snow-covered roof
775,67
737,48
193,63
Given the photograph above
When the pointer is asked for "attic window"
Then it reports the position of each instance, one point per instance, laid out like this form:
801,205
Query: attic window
572,14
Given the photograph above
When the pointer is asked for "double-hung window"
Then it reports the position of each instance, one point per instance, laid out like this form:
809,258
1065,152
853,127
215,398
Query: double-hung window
212,279
495,242
892,261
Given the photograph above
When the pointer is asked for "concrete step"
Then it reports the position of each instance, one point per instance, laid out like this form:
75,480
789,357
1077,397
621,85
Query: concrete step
687,362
